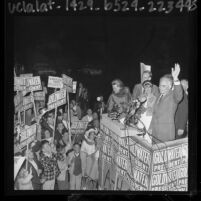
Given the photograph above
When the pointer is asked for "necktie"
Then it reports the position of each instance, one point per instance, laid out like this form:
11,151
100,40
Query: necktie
160,98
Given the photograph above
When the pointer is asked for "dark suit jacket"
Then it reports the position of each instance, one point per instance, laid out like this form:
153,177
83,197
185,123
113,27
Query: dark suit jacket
137,91
162,124
181,116
35,179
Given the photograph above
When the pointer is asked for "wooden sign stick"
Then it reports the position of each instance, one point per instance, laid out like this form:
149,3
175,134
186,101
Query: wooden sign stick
69,129
34,104
55,114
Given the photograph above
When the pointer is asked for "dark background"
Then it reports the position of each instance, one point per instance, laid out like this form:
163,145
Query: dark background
116,45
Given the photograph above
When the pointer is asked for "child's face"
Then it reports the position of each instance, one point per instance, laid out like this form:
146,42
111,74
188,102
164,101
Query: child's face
91,135
47,134
77,148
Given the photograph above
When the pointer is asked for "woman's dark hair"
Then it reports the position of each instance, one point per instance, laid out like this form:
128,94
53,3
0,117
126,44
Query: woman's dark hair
147,82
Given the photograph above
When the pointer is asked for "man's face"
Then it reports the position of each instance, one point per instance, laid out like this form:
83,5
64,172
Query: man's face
47,148
164,86
77,148
116,88
89,112
47,134
147,89
60,127
145,77
95,116
50,121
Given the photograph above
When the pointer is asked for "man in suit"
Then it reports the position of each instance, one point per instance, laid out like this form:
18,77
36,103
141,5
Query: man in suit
138,88
162,125
181,116
36,167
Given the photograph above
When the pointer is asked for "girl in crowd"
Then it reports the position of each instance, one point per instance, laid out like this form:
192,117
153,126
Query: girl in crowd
89,156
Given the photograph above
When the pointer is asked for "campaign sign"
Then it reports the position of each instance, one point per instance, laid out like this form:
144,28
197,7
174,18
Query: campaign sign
132,162
74,86
33,83
78,127
27,103
27,136
55,82
39,96
18,102
57,99
19,83
170,169
67,80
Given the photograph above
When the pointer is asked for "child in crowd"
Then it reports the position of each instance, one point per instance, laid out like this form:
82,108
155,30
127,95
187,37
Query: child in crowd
88,117
62,179
24,179
75,167
89,156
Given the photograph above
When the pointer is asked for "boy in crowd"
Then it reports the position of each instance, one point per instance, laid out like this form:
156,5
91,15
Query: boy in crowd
75,167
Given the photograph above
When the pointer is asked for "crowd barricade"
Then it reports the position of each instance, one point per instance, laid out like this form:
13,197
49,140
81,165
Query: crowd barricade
131,163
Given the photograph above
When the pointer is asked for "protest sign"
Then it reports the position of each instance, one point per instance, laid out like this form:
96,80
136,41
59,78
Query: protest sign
55,82
74,86
78,127
140,166
33,84
27,136
131,162
27,102
67,80
18,102
19,83
57,99
39,96
169,169
144,67
68,85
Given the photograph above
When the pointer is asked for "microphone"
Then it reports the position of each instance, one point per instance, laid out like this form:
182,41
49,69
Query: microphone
134,108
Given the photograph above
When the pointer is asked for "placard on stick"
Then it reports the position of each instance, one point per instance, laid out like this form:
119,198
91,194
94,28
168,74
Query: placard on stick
144,67
57,99
55,82
27,136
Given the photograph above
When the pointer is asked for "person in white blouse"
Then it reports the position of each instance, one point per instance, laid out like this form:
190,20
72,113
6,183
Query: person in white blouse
89,155
89,116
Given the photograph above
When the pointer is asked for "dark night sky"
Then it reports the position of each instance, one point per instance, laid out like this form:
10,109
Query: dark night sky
114,44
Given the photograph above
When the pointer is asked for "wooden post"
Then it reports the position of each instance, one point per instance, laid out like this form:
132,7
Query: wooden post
69,129
24,116
33,104
27,156
55,116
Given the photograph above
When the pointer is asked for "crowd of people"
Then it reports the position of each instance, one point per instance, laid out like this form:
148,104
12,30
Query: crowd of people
58,160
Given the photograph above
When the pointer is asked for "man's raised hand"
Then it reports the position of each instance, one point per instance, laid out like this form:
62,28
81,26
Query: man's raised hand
176,71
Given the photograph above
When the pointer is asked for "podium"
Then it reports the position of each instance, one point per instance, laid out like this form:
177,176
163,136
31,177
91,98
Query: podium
128,162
